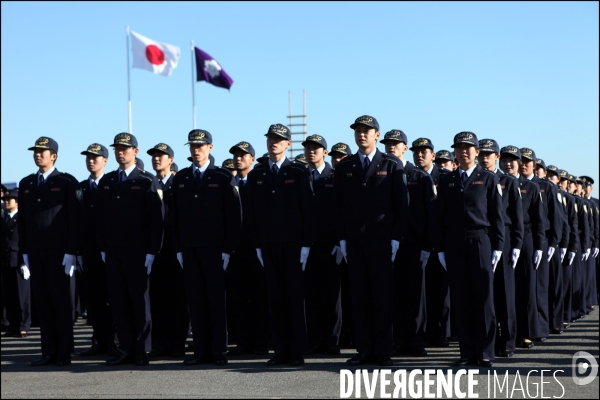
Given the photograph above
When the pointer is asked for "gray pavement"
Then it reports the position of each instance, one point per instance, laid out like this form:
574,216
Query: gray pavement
248,377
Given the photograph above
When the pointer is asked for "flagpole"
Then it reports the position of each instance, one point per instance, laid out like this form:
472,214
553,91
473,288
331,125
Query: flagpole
193,93
128,83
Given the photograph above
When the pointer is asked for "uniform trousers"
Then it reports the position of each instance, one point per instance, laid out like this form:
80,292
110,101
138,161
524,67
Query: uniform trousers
347,331
168,303
16,294
51,288
410,311
556,300
129,298
590,283
322,286
248,300
103,324
567,275
472,289
285,285
204,281
578,282
437,295
371,274
525,284
504,299
542,289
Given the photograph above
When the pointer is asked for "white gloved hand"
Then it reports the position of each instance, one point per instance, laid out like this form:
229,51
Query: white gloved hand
80,263
551,251
304,256
25,272
496,255
514,257
571,257
537,258
69,261
225,258
424,257
395,247
585,255
442,258
259,255
563,252
148,263
103,254
338,254
596,251
344,250
180,259
26,260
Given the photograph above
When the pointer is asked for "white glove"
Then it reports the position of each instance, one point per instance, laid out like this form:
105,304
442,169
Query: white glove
551,251
80,263
338,254
395,247
563,252
25,272
424,257
225,258
442,258
514,257
148,263
304,256
343,249
585,255
537,258
26,259
571,257
596,251
259,255
180,259
496,255
69,263
103,254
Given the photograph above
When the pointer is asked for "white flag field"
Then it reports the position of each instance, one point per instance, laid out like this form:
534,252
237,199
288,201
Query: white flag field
160,58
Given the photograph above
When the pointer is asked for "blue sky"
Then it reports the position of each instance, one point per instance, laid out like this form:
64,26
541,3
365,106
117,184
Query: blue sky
523,73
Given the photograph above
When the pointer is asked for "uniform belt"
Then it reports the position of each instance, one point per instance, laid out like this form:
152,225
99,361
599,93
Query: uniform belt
475,233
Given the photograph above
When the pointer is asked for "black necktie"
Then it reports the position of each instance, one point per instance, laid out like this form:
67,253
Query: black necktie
197,175
94,186
122,176
41,180
316,175
7,218
274,169
366,163
464,177
161,183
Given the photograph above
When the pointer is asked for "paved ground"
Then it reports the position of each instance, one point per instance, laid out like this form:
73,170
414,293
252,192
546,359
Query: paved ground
248,376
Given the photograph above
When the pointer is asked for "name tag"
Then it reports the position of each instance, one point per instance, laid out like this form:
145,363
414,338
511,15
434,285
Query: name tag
381,173
55,190
477,183
329,185
259,182
290,181
106,187
136,187
349,175
503,186
412,183
543,190
451,185
523,191
181,186
214,185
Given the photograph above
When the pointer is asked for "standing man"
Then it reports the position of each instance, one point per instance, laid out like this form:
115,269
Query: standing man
206,226
585,242
103,325
130,235
15,275
49,237
591,298
282,213
395,143
322,277
247,286
338,152
168,303
472,232
504,276
372,217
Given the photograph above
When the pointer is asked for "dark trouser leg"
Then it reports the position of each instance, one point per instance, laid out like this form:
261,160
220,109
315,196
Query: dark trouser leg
238,299
99,310
437,299
161,301
16,293
180,315
590,289
504,299
577,282
555,292
542,288
347,332
409,293
259,301
567,275
525,284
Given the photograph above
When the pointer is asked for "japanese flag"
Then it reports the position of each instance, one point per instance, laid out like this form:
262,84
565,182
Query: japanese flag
160,58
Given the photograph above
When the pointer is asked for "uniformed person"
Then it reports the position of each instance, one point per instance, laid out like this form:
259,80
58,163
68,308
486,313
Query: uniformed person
371,198
591,297
130,235
395,144
472,239
168,302
206,227
174,168
139,164
229,166
246,283
99,314
338,152
322,278
504,276
301,159
16,291
410,313
531,252
584,247
540,168
49,237
445,159
262,158
281,212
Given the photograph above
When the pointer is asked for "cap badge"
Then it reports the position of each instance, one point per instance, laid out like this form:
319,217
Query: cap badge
160,146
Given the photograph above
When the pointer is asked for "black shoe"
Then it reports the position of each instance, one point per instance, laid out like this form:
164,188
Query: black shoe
566,326
238,351
385,361
121,359
485,363
158,352
220,359
195,360
94,350
261,352
359,359
142,359
539,339
296,360
418,352
112,349
46,360
555,331
333,351
9,334
177,353
63,361
525,345
504,353
277,360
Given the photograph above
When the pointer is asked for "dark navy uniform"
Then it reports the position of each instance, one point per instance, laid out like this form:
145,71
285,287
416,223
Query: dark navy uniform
372,210
585,237
572,246
590,297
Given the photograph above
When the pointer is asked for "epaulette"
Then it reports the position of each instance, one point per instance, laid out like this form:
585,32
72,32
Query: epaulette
390,157
298,166
488,171
68,176
182,170
147,175
224,171
419,171
344,160
511,176
30,176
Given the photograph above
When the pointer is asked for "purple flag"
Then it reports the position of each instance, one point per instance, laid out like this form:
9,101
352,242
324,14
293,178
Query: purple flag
209,70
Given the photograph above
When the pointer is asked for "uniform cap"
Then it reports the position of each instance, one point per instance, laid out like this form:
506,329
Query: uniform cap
174,167
528,154
301,158
540,163
466,138
563,174
341,148
164,148
489,146
586,180
422,142
394,134
318,139
96,149
139,163
11,194
366,120
243,146
280,130
45,143
125,139
228,163
264,158
510,150
199,136
444,155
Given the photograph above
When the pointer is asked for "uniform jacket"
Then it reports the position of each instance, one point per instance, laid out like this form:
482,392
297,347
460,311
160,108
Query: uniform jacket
596,223
50,216
572,244
90,216
323,195
168,243
553,211
533,211
513,208
11,256
422,222
585,236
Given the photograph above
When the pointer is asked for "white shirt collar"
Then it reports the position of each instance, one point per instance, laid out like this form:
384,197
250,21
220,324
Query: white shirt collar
278,163
469,171
95,180
128,170
430,170
320,169
166,178
47,173
202,168
370,155
530,177
12,214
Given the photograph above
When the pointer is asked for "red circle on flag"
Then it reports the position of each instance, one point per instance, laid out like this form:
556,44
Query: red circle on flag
155,55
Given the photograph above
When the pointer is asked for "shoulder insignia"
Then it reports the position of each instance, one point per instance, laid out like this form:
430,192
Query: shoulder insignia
224,172
434,190
499,186
404,178
541,198
565,201
389,158
585,208
236,192
79,194
576,210
559,197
